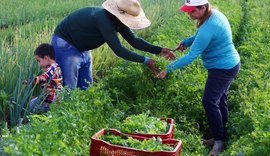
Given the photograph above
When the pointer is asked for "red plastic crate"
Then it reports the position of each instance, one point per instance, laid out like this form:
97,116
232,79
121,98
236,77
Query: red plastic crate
100,147
168,135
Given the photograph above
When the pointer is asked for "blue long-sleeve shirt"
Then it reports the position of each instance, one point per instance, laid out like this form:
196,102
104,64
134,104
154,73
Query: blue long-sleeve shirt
90,27
213,41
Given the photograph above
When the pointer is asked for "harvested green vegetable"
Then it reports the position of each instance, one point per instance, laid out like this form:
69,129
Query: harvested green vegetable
142,123
152,144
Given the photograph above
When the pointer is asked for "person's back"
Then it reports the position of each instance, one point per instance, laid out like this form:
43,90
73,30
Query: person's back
220,53
81,27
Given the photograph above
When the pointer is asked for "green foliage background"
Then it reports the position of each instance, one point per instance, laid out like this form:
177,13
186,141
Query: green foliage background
124,88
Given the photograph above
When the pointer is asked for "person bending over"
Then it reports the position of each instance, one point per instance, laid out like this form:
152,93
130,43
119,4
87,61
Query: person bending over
90,27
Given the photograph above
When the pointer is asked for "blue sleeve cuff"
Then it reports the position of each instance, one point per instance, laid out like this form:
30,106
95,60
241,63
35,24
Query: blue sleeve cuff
146,59
169,70
184,42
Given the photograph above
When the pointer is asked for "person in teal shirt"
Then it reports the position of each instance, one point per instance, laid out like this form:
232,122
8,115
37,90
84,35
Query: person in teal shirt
213,42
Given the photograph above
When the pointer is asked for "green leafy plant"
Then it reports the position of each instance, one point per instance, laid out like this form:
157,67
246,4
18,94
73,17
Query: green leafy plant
152,144
143,123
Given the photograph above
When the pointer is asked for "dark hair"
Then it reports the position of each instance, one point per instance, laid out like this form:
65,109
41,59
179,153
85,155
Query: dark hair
45,49
206,14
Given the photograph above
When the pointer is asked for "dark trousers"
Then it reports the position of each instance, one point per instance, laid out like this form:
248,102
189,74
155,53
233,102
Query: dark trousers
215,99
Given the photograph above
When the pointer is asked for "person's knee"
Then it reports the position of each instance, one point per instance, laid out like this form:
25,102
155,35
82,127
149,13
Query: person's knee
210,104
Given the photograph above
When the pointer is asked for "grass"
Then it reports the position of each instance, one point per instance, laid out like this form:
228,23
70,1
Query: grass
27,24
125,88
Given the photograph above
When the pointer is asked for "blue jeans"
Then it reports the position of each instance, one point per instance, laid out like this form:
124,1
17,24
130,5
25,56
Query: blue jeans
215,99
76,66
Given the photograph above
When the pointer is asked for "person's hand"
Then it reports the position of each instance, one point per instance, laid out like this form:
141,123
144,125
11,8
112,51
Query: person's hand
168,54
151,65
26,82
162,74
180,47
39,79
42,79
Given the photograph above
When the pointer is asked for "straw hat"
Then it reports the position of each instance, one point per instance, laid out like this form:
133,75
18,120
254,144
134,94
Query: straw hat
129,12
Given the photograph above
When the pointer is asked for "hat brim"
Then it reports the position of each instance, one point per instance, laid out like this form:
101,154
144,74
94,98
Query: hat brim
133,22
187,8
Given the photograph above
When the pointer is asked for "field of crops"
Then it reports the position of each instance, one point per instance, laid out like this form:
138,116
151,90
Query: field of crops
123,88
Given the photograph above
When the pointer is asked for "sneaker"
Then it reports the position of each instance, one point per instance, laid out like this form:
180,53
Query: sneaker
217,148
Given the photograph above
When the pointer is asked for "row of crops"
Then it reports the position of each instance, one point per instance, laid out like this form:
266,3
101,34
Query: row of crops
29,27
123,88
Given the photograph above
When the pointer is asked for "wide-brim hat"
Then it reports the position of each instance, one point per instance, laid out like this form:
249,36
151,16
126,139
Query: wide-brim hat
129,12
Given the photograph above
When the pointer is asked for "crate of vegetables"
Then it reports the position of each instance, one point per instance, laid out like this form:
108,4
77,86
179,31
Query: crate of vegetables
112,142
147,126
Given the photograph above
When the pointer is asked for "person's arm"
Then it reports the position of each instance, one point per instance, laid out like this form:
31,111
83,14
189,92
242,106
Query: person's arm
182,45
138,42
45,77
188,41
109,34
199,44
107,28
143,45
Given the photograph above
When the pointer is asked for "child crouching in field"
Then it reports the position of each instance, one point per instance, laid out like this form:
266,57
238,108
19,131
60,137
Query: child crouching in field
50,80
